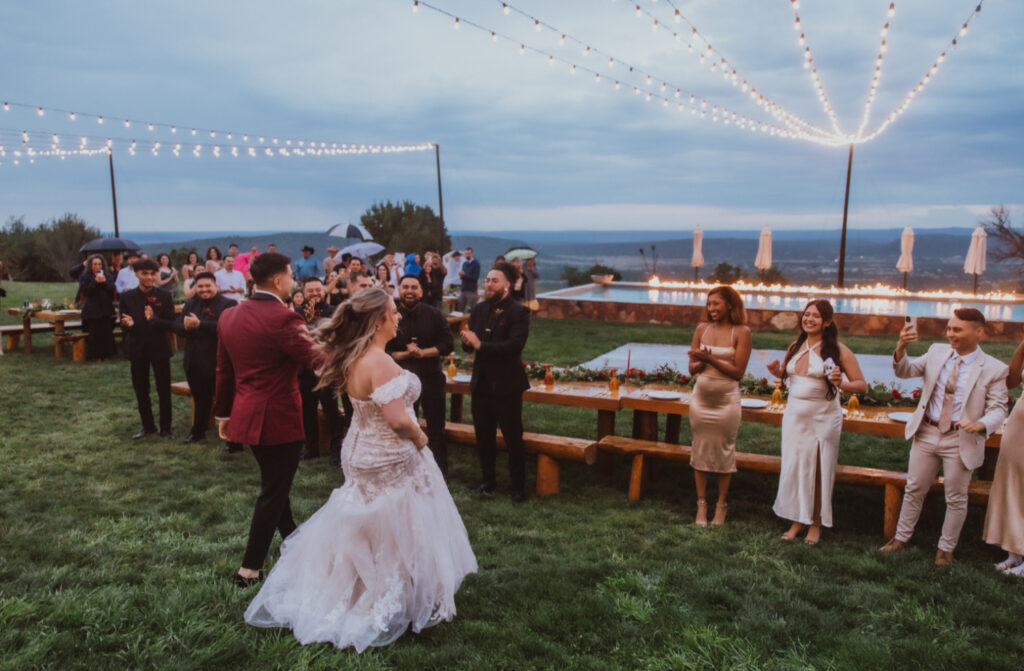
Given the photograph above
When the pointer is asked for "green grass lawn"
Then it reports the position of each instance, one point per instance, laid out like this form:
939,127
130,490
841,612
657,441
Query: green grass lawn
118,554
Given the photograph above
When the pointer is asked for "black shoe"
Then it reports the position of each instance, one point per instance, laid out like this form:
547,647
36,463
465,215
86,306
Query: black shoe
169,435
484,488
143,434
518,496
193,438
231,448
248,582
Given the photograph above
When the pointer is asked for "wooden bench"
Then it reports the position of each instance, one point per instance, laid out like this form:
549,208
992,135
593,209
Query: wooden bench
13,332
74,340
892,482
550,450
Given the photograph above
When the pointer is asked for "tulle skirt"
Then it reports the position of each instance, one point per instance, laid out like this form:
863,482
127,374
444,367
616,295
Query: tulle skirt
364,569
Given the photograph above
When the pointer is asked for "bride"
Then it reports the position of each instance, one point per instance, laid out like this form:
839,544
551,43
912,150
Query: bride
388,550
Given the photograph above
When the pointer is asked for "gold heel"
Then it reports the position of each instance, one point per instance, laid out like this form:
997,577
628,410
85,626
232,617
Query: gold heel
721,510
702,513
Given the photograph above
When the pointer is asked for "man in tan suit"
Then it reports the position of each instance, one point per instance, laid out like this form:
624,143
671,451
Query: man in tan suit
963,401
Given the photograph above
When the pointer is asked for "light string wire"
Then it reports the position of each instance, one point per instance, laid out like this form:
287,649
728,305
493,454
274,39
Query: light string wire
809,64
698,107
925,80
882,48
17,145
246,139
729,72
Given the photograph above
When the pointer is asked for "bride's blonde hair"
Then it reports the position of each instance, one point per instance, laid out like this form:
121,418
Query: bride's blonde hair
348,335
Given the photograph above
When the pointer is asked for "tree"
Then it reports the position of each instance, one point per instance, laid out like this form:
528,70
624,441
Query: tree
1009,241
726,273
406,227
774,276
58,242
16,249
575,277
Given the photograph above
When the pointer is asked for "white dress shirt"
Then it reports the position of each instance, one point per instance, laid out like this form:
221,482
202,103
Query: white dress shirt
938,397
232,280
126,280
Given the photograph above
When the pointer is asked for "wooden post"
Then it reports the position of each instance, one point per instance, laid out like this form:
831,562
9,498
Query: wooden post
846,207
440,200
672,426
605,427
637,477
547,475
113,193
78,351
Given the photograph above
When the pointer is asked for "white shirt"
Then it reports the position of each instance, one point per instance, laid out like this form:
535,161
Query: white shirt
230,280
126,280
452,266
261,291
938,397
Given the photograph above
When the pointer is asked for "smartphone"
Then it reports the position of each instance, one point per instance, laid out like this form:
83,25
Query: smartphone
829,365
911,321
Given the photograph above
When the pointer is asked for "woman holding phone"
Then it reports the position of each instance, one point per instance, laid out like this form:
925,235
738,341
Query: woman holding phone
817,367
97,291
718,356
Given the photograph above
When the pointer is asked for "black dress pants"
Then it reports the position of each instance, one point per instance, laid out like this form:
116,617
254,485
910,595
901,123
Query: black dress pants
140,382
326,399
273,510
431,403
202,383
504,411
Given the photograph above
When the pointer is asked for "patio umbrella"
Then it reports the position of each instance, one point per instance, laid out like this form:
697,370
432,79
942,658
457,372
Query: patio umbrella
361,249
109,245
520,253
974,264
905,264
764,251
356,231
697,260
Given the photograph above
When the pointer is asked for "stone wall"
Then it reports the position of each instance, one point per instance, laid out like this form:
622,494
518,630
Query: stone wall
758,320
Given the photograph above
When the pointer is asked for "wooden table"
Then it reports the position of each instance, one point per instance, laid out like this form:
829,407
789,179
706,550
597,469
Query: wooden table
593,396
875,421
56,317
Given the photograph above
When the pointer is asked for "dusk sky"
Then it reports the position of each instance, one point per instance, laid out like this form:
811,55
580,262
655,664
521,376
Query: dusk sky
524,144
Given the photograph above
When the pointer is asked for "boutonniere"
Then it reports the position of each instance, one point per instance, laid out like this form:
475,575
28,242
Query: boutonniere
150,299
207,312
499,311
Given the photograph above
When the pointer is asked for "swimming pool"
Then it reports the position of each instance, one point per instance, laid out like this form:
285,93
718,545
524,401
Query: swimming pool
629,292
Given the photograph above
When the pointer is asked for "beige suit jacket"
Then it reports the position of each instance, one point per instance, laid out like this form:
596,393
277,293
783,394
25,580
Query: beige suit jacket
985,400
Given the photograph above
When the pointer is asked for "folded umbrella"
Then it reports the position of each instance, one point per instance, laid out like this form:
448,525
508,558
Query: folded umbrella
109,245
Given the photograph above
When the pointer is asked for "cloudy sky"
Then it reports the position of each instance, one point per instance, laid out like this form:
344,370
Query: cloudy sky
524,144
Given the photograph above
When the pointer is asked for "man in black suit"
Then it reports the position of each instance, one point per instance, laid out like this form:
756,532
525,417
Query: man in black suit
497,332
315,309
423,338
197,325
147,314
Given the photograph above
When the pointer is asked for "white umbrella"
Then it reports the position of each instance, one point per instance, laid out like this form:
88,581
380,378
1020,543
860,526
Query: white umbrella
764,251
361,250
697,260
905,264
356,231
974,264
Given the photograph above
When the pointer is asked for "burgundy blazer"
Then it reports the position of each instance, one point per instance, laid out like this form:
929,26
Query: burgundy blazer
261,346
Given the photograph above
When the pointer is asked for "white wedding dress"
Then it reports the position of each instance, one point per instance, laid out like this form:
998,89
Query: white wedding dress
387,551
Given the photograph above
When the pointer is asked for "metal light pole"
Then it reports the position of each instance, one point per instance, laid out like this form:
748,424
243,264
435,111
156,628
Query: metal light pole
440,200
846,207
113,193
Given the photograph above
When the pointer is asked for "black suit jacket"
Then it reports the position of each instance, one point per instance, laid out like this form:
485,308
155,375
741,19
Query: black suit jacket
307,378
148,339
201,342
498,365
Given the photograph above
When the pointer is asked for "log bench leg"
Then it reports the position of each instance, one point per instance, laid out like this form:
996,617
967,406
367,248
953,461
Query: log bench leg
672,425
78,350
893,503
547,475
988,467
637,478
58,348
12,341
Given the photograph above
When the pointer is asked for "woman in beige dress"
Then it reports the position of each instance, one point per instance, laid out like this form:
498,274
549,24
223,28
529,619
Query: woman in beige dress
718,356
1004,520
816,369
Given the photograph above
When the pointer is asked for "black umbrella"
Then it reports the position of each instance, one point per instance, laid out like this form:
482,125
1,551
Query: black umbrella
109,245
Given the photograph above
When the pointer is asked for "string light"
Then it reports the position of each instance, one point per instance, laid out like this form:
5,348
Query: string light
815,79
882,48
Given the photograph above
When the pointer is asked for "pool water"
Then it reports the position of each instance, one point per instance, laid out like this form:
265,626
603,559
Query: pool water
639,293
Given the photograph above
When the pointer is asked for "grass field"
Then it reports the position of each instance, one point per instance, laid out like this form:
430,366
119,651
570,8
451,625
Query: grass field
119,554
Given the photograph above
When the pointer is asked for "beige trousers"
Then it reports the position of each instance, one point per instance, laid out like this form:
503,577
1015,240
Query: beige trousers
933,450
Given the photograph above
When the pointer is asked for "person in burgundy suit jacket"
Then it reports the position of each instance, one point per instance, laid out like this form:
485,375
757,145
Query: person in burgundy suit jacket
262,346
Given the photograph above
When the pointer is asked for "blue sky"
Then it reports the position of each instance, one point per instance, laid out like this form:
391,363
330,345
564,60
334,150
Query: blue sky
523,144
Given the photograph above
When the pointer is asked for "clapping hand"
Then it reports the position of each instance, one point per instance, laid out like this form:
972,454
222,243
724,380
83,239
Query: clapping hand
191,321
702,355
775,368
148,311
309,311
127,320
414,350
470,338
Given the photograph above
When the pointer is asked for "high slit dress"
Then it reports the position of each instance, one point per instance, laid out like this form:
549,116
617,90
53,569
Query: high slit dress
811,425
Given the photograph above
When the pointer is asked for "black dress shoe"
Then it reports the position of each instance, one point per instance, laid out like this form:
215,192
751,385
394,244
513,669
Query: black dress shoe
484,488
143,434
518,496
231,448
193,438
248,582
169,435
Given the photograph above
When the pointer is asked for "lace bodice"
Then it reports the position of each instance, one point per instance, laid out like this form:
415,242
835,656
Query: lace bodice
373,456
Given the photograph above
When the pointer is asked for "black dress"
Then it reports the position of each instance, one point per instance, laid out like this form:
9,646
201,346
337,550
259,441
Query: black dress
97,315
